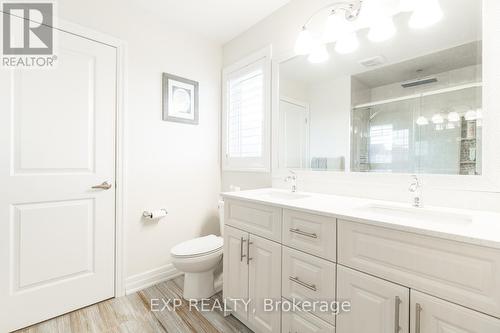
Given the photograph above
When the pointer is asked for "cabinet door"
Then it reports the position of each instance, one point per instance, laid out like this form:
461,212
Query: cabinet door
433,315
264,283
235,277
377,306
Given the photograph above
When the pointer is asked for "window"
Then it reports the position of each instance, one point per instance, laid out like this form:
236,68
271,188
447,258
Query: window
246,114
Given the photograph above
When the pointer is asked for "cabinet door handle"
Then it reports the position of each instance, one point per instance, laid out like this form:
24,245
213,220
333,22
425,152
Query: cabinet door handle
242,241
418,310
302,283
303,233
397,302
248,252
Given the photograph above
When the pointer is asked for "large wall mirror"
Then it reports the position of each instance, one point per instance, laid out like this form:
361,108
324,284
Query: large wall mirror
411,104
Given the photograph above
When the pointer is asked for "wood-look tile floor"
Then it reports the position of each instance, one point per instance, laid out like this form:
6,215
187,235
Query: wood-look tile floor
132,314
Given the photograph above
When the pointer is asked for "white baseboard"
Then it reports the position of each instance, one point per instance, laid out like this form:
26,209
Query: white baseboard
147,279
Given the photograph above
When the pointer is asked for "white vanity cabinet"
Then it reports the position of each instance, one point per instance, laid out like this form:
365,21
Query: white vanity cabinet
398,281
235,278
433,315
377,306
252,271
461,273
303,322
260,220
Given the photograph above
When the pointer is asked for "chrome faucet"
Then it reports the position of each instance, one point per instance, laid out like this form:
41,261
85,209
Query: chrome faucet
416,189
292,178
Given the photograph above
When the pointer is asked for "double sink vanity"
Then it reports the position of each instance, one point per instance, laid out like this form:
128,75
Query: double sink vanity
403,269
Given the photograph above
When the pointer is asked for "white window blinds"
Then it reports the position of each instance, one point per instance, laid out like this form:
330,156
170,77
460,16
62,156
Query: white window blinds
246,114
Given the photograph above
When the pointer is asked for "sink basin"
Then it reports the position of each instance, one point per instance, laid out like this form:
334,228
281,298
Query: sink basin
284,195
418,214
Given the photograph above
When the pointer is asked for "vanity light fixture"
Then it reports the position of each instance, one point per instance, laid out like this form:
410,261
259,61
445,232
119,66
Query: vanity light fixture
425,14
304,42
336,26
319,53
339,28
382,30
347,43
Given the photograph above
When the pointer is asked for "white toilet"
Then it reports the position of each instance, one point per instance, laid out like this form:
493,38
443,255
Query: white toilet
197,259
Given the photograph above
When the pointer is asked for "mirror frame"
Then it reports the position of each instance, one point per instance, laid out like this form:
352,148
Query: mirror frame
488,181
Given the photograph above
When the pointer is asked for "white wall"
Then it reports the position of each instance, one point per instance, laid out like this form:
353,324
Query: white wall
169,165
293,89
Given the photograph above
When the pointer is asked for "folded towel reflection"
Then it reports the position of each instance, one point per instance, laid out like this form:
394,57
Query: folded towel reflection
328,163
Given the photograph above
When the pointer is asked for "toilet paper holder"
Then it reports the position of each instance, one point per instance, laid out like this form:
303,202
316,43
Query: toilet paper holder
155,214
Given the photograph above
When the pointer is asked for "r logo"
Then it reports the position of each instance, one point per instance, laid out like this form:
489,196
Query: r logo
27,28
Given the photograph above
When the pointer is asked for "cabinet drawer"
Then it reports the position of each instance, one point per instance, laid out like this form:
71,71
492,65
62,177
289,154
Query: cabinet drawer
434,315
461,273
303,322
257,219
308,278
310,233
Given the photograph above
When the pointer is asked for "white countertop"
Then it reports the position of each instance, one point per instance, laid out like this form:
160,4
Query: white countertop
481,228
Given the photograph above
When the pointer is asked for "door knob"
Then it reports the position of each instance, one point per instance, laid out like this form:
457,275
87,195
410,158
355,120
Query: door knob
103,186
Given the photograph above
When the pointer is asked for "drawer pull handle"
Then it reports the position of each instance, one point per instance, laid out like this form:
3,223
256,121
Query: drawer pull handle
396,314
418,309
242,241
303,233
303,284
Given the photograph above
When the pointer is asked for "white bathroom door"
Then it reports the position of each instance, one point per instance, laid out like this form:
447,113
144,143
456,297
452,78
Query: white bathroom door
57,140
294,134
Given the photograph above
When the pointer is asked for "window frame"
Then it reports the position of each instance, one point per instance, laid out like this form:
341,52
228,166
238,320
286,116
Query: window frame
262,59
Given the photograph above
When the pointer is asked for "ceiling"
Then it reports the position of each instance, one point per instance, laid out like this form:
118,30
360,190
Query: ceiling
461,25
218,20
434,63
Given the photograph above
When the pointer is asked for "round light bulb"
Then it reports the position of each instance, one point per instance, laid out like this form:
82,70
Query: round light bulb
336,26
426,13
422,121
304,42
347,43
471,115
437,119
453,116
319,54
382,29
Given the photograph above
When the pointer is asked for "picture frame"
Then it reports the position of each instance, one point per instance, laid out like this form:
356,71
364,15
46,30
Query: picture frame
180,99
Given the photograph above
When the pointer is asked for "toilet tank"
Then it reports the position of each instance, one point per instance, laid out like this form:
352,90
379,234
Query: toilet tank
221,216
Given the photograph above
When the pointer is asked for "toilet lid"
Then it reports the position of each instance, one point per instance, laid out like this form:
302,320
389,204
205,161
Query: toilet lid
198,246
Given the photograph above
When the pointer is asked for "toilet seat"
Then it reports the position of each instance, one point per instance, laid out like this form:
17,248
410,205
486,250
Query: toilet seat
200,246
